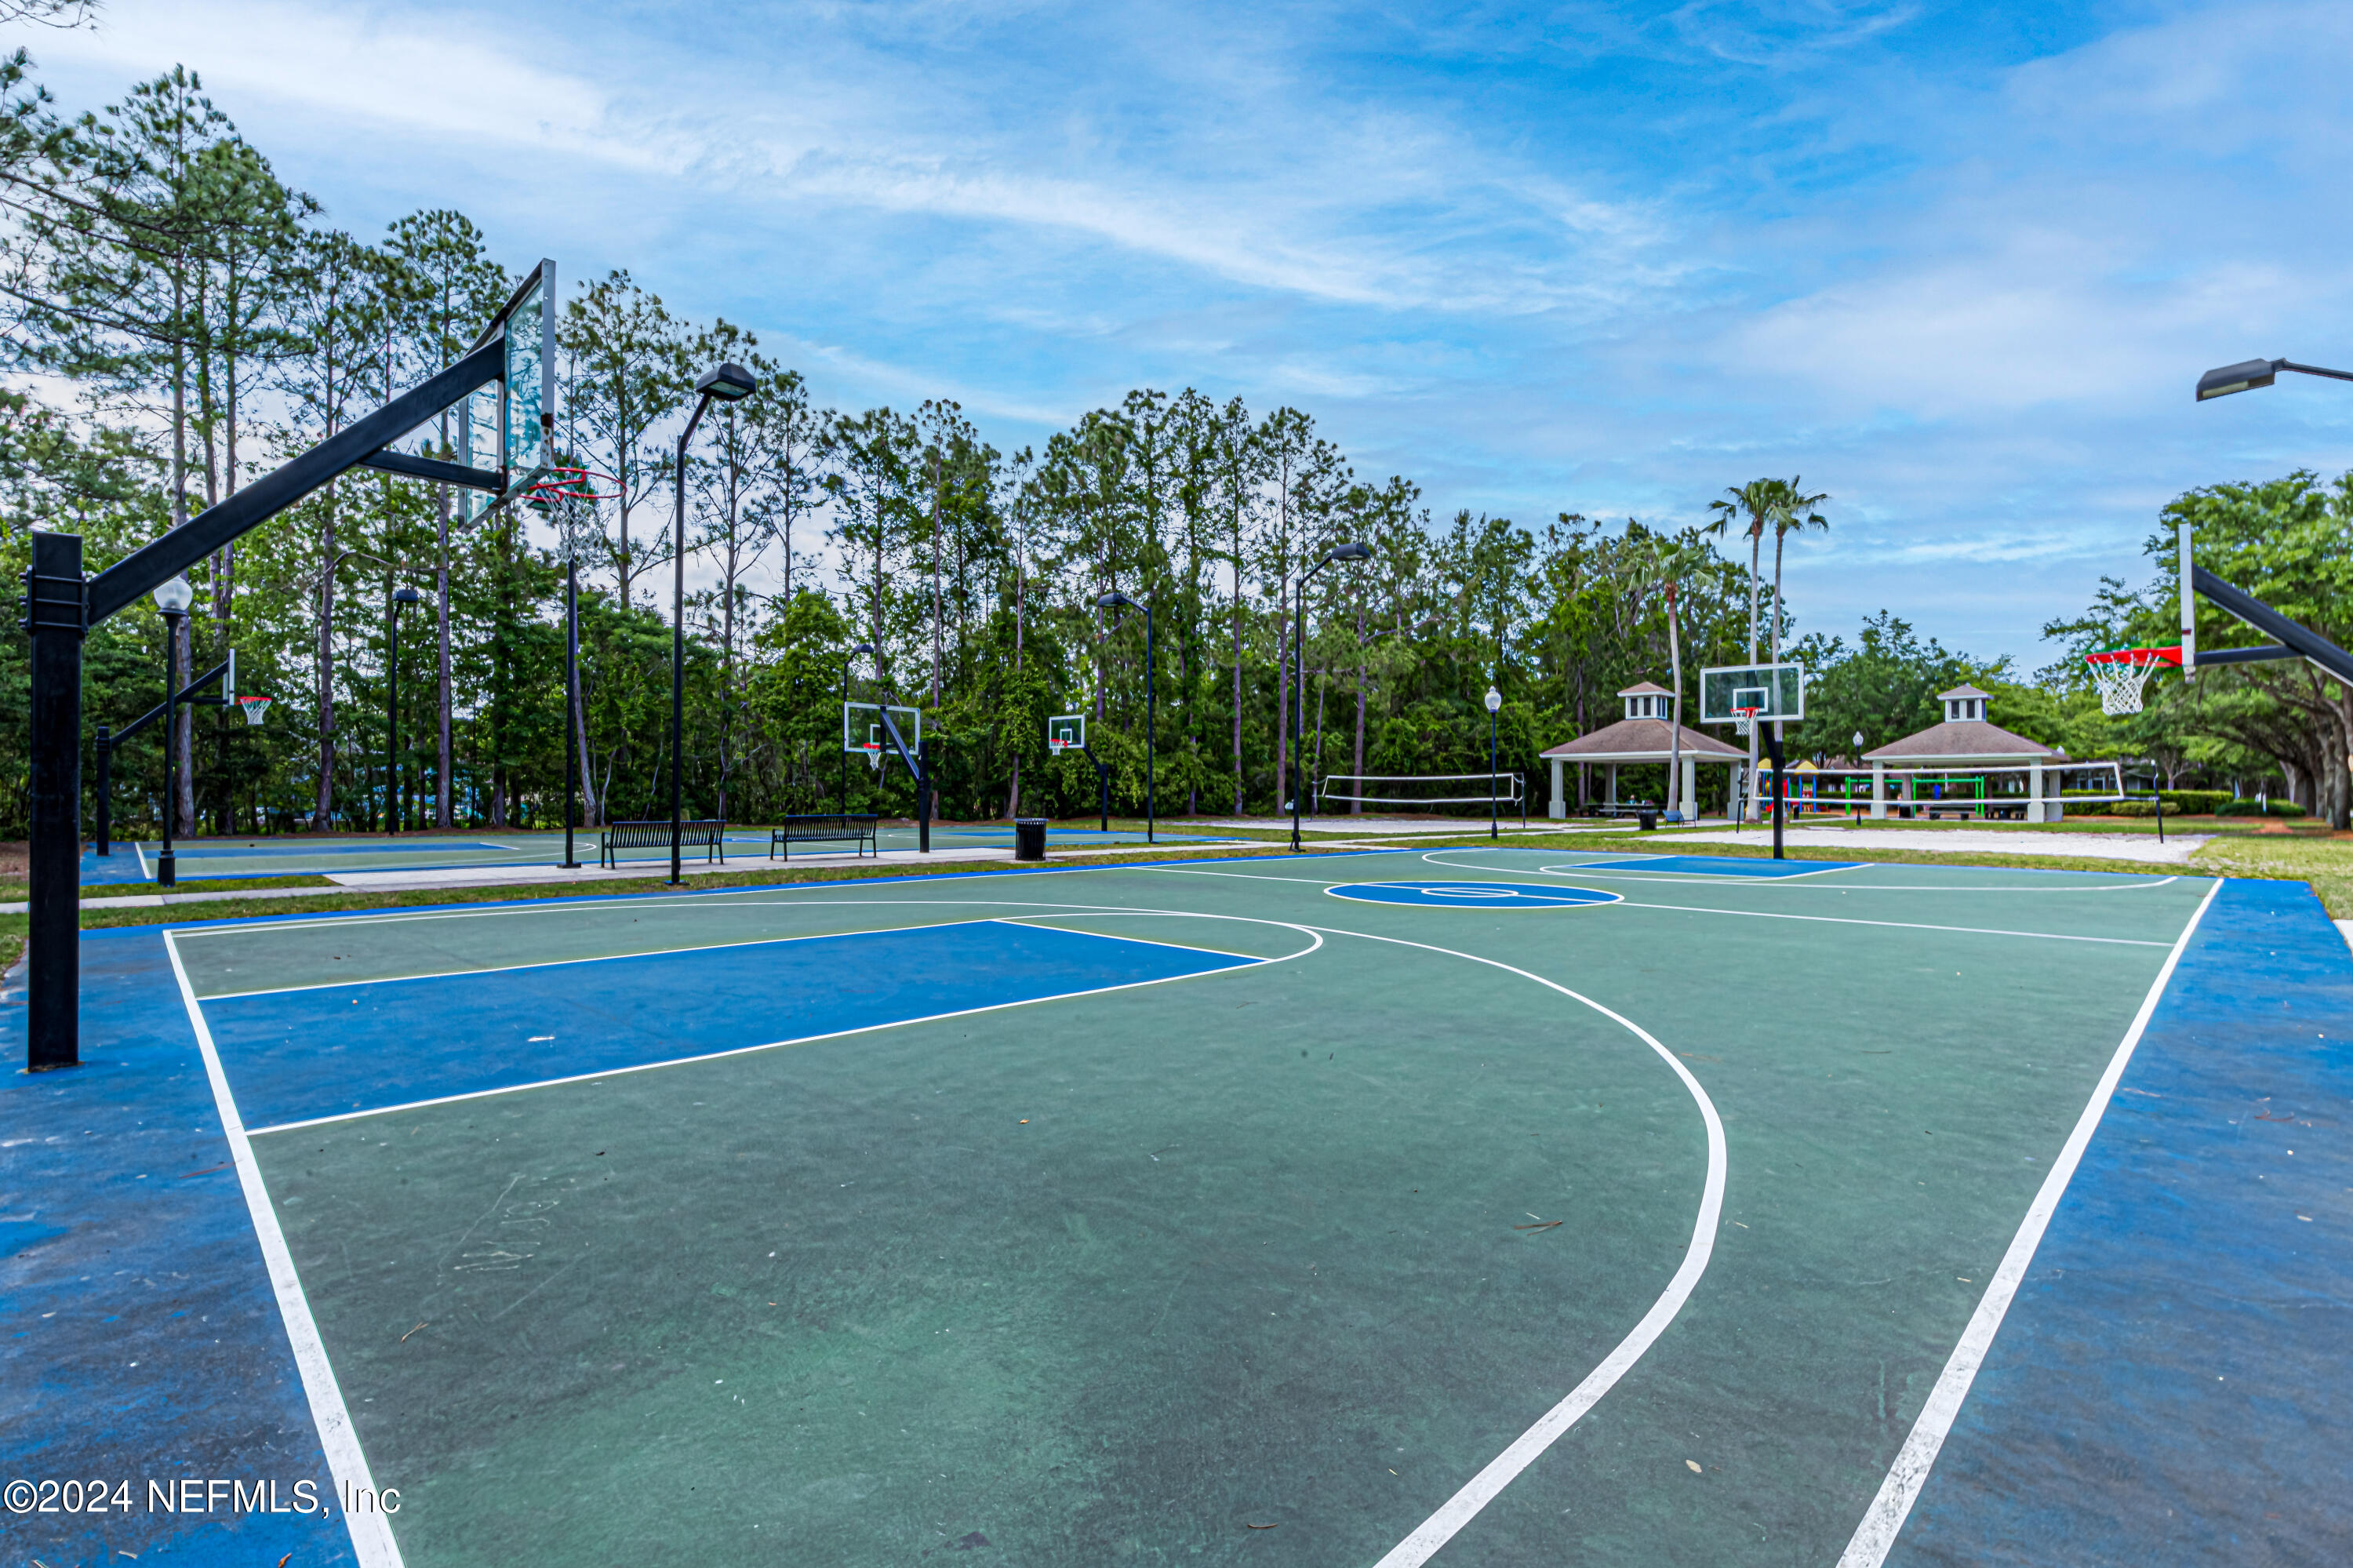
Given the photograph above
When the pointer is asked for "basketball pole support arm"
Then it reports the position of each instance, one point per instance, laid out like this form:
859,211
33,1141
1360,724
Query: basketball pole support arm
921,773
61,605
2295,641
108,741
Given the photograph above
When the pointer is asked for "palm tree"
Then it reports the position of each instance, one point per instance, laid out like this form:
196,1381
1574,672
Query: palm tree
1671,560
1792,514
1755,502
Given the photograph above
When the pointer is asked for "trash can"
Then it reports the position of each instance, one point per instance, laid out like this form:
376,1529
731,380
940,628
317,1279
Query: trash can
1028,837
1647,821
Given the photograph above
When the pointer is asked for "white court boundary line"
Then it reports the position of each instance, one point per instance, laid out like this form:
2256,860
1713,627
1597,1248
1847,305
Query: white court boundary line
590,959
1569,868
1415,1549
140,850
1622,901
1901,924
1500,1472
1875,1536
371,1532
1242,962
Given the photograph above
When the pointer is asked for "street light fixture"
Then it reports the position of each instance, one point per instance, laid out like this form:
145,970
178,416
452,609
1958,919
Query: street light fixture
173,599
1115,601
2250,373
402,598
1494,706
1351,550
730,383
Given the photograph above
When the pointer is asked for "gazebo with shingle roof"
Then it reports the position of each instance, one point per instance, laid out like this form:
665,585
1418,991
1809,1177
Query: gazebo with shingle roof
1966,739
1643,735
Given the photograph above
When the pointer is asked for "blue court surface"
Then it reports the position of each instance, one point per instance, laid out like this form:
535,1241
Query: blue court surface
1467,1206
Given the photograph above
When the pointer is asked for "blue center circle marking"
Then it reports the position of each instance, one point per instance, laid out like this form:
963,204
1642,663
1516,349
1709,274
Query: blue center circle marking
1471,895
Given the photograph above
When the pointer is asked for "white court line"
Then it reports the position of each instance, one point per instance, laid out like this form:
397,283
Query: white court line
1876,1534
1500,1472
1140,941
1900,925
372,1540
591,959
1570,868
1244,962
140,850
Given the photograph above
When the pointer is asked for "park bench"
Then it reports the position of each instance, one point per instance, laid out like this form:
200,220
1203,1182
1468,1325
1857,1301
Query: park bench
822,828
710,837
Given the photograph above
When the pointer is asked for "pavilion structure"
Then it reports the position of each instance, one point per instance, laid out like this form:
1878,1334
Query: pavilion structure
1644,737
1966,739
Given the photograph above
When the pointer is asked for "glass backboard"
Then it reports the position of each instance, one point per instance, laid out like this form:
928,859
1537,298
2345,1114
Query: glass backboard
1775,691
862,734
1066,732
512,425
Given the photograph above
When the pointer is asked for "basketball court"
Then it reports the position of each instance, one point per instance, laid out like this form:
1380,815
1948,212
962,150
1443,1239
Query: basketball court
1461,1205
746,849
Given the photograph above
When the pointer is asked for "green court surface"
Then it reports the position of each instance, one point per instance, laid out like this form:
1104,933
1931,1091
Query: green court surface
1191,1213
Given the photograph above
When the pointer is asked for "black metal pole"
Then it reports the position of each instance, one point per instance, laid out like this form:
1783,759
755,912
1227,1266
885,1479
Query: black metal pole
845,725
56,607
923,798
1102,792
1491,806
1299,700
105,767
1151,683
678,637
167,866
2157,793
573,761
1779,787
392,732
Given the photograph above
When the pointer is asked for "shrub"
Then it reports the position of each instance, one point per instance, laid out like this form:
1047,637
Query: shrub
2250,809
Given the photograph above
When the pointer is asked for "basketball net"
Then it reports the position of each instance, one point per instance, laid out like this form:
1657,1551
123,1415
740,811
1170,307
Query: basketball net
254,708
2122,673
569,498
1741,717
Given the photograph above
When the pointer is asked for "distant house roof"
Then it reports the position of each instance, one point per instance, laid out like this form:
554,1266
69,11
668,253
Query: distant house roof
1646,689
1643,740
1962,740
1961,692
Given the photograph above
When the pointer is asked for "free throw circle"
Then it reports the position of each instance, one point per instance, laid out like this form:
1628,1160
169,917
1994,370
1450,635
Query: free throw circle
1471,895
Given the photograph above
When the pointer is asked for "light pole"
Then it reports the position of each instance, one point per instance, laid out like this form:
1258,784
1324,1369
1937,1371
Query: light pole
173,599
402,598
1351,551
846,657
1494,706
2249,374
731,383
1151,693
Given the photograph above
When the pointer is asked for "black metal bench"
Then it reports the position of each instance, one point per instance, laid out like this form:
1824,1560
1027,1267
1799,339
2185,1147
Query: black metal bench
710,837
822,828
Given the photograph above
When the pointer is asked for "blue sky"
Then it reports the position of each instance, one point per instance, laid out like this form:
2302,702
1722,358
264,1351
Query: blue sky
1956,264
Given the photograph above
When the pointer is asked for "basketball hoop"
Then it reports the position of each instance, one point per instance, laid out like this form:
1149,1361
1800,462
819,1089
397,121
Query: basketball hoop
569,497
1057,747
1741,717
874,749
254,708
2121,674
